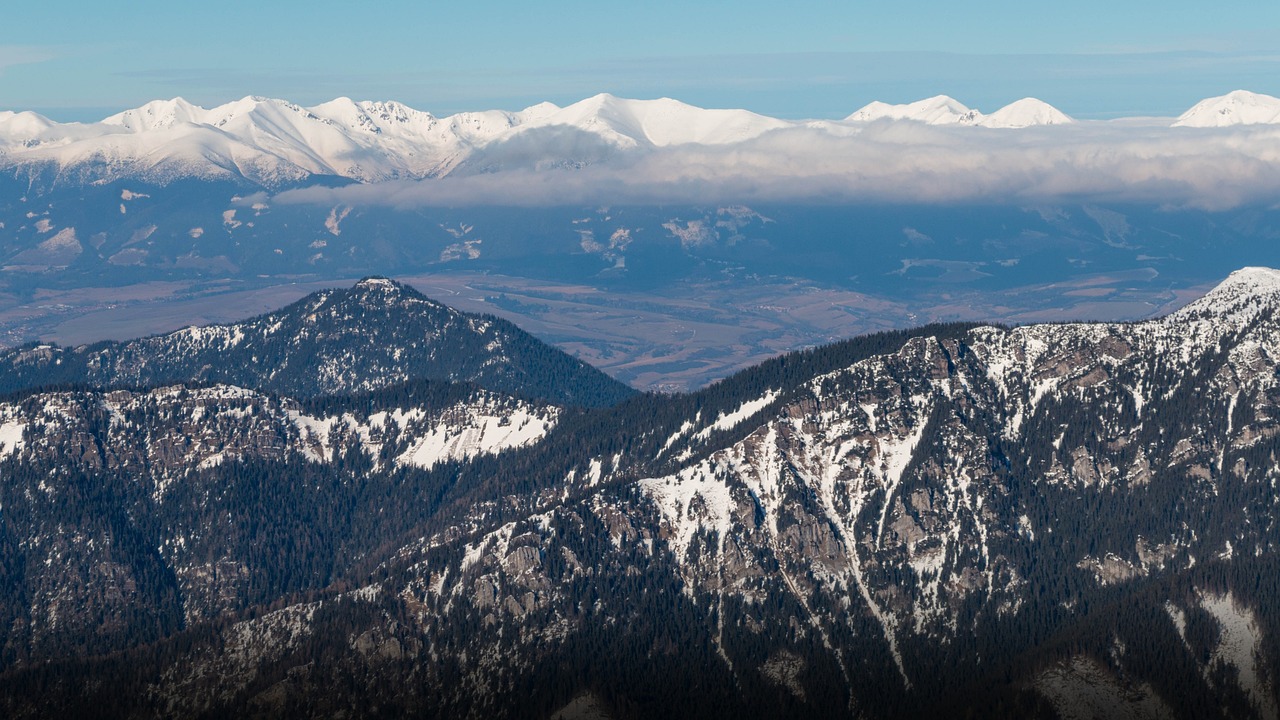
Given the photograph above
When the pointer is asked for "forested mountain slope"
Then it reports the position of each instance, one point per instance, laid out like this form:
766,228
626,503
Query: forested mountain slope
1074,520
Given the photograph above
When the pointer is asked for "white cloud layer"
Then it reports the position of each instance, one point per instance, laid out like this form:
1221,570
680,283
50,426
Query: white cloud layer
1118,162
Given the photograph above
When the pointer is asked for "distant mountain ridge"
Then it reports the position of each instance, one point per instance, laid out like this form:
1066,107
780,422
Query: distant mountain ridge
944,110
375,334
276,143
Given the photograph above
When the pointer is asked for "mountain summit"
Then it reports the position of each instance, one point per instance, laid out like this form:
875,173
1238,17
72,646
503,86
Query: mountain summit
1235,302
937,110
1026,112
1239,107
375,334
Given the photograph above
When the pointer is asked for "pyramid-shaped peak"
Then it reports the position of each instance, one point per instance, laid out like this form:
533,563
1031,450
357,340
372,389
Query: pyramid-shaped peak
1026,112
378,290
539,110
941,101
603,97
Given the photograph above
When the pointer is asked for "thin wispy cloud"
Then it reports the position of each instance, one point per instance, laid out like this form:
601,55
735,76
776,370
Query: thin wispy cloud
14,55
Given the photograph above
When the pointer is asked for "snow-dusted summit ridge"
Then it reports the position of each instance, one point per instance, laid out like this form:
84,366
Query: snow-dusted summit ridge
662,122
945,110
937,110
1243,295
158,114
1239,107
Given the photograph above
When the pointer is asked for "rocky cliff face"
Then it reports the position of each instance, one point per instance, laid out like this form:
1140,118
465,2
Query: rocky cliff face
1060,520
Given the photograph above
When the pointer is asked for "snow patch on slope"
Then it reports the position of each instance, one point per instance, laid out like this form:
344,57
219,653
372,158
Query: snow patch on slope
691,501
1240,646
457,433
744,412
468,433
11,437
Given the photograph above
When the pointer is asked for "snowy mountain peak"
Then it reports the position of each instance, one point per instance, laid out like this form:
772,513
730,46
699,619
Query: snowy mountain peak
255,106
390,111
936,110
661,122
372,335
371,117
158,114
539,110
873,110
381,292
1245,294
1026,112
23,125
1239,107
377,284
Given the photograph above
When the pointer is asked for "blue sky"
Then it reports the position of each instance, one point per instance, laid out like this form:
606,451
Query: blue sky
81,60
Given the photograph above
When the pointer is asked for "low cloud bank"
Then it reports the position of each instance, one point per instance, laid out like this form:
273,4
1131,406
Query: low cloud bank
1210,169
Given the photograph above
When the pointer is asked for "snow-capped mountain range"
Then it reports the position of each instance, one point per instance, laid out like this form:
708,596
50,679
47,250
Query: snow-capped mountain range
944,110
274,142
